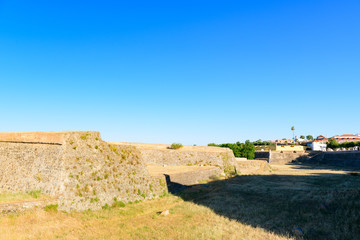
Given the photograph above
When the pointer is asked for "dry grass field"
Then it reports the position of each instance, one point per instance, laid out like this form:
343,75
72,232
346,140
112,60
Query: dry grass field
290,202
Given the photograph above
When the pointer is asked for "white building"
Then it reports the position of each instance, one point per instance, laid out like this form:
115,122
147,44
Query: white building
318,146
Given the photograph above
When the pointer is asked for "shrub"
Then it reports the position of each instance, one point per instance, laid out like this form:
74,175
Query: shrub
85,136
176,146
51,208
114,149
35,193
118,203
246,150
106,207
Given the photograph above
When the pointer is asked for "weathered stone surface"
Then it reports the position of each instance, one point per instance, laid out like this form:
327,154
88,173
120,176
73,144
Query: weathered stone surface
350,159
185,175
285,157
83,171
280,156
165,213
252,166
160,154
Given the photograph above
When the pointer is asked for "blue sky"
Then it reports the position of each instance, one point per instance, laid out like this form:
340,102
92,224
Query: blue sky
193,72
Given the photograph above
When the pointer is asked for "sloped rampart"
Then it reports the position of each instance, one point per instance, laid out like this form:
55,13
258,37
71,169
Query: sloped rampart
81,170
161,154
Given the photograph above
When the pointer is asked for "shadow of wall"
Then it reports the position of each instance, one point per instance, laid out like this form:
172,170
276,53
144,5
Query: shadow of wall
321,206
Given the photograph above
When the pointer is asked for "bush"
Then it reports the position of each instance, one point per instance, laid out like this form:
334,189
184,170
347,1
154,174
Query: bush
118,203
106,207
333,144
246,150
35,193
51,208
176,146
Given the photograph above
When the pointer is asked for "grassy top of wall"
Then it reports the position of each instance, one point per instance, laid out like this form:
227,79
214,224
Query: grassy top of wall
42,137
185,148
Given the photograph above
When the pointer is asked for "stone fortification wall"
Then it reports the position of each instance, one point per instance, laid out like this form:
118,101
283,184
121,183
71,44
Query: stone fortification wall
78,168
262,155
280,156
27,166
160,154
341,159
285,157
252,166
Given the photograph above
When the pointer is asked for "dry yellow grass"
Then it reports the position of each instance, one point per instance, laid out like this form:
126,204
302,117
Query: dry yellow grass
138,221
151,146
323,202
16,197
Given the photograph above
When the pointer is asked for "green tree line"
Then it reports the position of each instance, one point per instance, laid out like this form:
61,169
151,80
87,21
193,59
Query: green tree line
263,143
245,150
333,144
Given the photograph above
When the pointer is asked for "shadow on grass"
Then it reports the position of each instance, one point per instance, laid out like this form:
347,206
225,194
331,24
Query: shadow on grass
321,206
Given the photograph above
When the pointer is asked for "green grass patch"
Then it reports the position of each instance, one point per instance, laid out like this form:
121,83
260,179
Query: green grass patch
51,208
14,197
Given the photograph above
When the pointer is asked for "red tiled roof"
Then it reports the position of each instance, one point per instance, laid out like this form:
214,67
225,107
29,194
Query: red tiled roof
348,135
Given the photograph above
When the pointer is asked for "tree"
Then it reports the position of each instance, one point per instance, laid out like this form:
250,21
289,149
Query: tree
309,137
293,130
213,145
332,143
302,137
248,150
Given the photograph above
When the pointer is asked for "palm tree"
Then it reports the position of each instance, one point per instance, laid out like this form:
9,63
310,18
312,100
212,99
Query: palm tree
293,129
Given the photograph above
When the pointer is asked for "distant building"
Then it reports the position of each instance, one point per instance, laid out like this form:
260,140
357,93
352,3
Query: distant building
318,146
321,138
347,138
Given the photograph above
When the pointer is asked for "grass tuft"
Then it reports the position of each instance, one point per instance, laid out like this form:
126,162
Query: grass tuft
51,208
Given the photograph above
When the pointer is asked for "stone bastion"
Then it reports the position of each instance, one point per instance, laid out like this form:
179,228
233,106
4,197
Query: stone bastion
162,154
81,170
84,172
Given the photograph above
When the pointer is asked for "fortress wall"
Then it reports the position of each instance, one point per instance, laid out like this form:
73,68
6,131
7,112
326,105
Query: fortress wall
159,154
83,171
285,157
26,167
341,159
279,156
262,155
251,166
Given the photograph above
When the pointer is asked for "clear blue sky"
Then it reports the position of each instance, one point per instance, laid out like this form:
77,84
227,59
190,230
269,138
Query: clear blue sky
193,72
